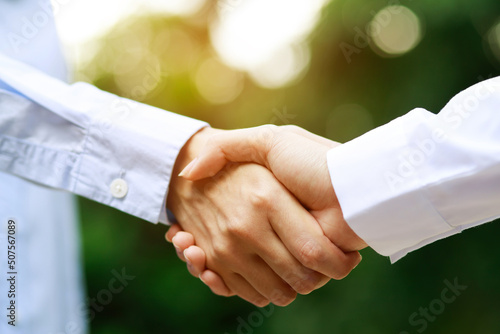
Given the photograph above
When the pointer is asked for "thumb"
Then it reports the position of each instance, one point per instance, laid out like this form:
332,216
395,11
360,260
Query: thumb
247,145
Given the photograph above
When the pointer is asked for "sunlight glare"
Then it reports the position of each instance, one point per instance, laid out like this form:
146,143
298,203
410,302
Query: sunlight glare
250,35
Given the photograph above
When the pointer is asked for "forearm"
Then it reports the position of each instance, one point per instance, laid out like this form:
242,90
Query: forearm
81,139
423,177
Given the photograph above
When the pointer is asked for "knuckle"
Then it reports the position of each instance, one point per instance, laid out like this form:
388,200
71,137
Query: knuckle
342,271
221,251
303,286
311,254
265,134
220,293
260,302
239,229
267,130
260,199
261,196
289,128
283,297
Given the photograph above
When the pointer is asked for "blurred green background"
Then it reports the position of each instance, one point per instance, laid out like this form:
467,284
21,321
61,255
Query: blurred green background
335,96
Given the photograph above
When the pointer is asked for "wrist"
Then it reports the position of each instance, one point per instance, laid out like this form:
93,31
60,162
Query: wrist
188,152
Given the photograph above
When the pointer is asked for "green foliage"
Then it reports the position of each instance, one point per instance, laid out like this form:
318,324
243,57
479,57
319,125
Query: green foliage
377,297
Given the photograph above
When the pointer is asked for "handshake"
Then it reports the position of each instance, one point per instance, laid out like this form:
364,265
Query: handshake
258,215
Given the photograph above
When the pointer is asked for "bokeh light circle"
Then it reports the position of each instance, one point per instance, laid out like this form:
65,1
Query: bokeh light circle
217,83
283,68
395,30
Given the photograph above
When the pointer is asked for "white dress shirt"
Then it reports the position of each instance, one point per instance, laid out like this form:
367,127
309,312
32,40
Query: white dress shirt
70,137
423,177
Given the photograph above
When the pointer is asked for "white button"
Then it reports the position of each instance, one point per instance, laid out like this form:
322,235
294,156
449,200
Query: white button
119,188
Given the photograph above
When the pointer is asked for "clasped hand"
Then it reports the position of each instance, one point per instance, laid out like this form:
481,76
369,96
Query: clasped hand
258,216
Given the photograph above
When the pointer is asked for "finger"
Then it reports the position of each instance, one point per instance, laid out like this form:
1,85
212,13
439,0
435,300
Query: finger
235,284
215,283
196,260
337,230
172,231
322,283
181,241
301,279
245,290
267,283
246,145
305,240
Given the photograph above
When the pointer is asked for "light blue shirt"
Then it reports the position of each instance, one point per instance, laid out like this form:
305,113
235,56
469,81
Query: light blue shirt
79,140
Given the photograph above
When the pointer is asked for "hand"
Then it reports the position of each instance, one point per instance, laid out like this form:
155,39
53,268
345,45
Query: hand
256,235
298,160
195,258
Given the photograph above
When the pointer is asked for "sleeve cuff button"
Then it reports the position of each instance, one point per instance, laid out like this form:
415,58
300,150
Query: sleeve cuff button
119,188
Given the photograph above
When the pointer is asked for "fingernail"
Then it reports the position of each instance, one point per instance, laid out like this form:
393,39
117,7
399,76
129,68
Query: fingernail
360,258
188,168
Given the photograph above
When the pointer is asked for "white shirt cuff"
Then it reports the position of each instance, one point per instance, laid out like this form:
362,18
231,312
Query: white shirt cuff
391,217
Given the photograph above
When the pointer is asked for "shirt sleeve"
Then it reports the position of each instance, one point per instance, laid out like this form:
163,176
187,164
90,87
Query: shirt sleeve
423,177
95,144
